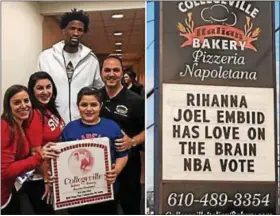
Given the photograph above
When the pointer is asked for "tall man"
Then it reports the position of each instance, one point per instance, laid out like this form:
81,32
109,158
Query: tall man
127,109
71,64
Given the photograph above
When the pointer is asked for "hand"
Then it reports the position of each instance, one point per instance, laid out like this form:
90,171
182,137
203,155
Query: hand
51,178
124,143
112,175
49,151
48,195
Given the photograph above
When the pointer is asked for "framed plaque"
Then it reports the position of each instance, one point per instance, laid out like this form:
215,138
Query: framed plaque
79,173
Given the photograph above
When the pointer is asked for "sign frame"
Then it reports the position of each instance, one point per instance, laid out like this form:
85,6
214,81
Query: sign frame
158,64
83,196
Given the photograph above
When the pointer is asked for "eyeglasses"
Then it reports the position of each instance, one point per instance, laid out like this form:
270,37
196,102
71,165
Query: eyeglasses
115,70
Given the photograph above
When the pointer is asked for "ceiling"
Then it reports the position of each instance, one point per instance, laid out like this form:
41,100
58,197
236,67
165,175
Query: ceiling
100,37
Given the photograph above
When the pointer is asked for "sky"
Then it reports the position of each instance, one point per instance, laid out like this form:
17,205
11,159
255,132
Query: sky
150,84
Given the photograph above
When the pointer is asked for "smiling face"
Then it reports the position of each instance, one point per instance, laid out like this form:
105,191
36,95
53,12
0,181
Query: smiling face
89,108
20,106
73,33
112,73
43,91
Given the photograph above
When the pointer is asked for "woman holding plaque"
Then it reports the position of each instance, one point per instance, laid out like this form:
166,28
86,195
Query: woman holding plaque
90,125
45,125
15,149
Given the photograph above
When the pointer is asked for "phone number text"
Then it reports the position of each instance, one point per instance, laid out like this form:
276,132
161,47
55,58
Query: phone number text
219,199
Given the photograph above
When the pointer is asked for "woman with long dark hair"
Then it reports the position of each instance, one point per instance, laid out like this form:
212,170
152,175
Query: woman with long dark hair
45,126
15,149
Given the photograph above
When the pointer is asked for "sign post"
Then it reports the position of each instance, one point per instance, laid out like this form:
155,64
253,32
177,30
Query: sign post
217,128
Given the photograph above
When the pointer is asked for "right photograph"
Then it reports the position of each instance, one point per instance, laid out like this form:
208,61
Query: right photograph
212,83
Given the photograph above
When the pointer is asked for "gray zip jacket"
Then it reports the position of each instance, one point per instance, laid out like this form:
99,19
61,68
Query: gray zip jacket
86,73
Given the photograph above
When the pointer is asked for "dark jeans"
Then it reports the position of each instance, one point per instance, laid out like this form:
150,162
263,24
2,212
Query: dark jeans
35,190
130,196
105,208
142,202
13,208
130,188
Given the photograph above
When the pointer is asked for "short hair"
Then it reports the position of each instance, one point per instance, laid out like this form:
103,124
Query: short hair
75,15
114,57
89,91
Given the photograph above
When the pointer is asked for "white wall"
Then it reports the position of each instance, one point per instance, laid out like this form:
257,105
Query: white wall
21,42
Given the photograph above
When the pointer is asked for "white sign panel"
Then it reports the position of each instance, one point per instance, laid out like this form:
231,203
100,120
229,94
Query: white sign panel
218,133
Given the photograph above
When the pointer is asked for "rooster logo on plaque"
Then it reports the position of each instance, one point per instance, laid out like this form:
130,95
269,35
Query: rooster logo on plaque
80,162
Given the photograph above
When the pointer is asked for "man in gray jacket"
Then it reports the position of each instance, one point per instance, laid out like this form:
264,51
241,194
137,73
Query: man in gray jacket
71,64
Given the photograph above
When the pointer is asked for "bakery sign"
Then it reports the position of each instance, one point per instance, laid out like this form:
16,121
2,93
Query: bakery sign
217,42
217,136
219,33
224,27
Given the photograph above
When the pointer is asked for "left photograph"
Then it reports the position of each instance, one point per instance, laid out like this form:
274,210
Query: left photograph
73,108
